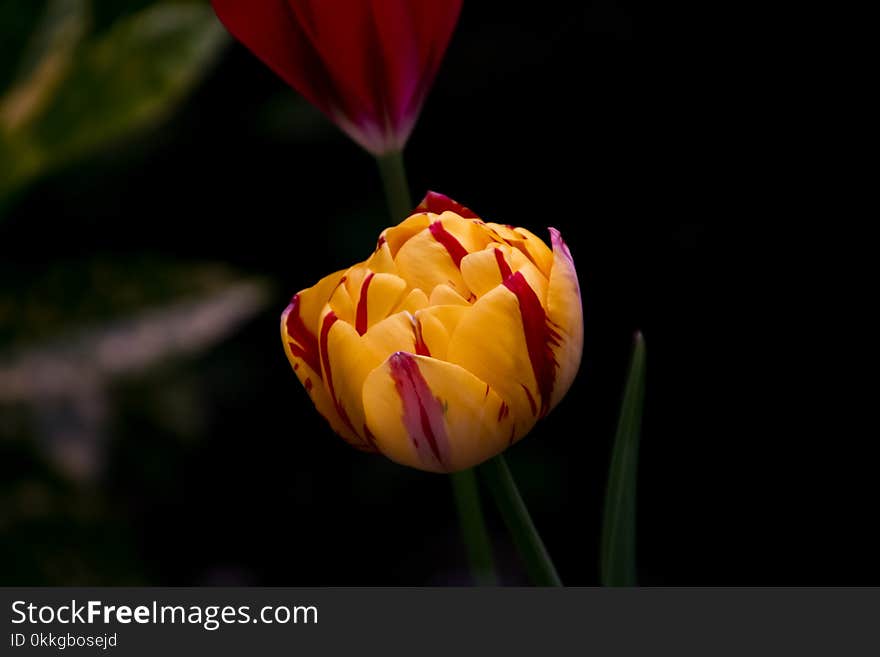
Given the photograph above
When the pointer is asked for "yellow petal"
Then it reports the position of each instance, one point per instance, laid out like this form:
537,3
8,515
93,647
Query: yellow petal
433,415
425,263
565,313
379,293
484,270
536,280
536,249
398,235
312,300
501,232
301,347
381,261
394,333
469,233
489,342
340,301
347,358
435,325
443,295
530,244
415,300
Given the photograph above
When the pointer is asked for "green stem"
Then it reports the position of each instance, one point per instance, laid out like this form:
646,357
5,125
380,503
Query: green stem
473,527
464,484
516,516
393,172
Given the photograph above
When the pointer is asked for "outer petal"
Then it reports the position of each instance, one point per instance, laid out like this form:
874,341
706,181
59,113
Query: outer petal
566,315
433,415
489,342
300,342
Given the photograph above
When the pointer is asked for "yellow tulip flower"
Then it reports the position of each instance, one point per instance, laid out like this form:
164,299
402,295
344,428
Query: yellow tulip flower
446,345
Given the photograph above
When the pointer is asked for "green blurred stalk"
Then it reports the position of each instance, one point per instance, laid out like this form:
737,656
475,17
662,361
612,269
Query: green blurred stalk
473,527
393,172
464,484
618,550
516,516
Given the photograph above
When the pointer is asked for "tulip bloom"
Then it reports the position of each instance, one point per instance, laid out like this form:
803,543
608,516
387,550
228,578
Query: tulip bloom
446,345
366,64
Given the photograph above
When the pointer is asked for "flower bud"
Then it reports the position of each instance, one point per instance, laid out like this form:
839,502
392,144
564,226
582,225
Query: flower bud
447,344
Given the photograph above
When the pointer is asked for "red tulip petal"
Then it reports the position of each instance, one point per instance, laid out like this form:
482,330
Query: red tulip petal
343,34
414,37
270,31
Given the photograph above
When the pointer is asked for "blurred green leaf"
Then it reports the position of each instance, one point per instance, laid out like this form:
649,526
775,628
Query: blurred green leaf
18,21
52,299
618,554
125,80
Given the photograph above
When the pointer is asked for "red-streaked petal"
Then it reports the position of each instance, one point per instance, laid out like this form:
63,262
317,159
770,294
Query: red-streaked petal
436,324
453,247
490,343
438,204
483,271
565,313
526,242
424,262
347,358
299,329
433,415
379,294
308,370
541,337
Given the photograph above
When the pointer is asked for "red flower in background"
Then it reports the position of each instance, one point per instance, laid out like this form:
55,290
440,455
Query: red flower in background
367,64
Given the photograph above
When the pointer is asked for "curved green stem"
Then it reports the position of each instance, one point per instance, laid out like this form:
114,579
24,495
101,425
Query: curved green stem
516,516
464,484
393,172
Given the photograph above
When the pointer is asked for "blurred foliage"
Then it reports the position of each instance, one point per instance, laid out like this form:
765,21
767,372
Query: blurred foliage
89,74
48,301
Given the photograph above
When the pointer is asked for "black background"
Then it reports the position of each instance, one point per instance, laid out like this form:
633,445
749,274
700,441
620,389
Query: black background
567,116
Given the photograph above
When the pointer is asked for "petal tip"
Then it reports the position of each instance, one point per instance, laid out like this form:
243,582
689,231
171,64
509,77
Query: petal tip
439,203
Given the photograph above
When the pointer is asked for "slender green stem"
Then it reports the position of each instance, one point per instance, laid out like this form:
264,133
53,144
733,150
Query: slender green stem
464,485
393,172
516,516
473,527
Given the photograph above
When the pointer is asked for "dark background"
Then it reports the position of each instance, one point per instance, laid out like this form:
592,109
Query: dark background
217,470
